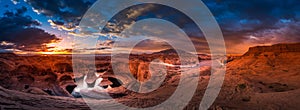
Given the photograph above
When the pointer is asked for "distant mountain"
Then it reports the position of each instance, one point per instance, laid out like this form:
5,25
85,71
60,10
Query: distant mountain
169,51
277,48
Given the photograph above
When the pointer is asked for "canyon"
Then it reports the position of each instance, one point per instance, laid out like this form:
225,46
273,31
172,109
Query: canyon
265,77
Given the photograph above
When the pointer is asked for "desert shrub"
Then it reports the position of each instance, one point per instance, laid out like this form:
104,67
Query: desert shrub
242,86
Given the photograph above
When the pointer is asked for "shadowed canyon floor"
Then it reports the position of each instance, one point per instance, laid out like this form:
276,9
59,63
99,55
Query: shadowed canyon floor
263,78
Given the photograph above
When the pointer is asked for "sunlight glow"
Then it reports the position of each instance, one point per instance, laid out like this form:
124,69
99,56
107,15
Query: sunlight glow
52,53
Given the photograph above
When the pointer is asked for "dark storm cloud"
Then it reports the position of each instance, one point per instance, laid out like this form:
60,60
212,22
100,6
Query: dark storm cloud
21,31
255,21
64,12
288,32
140,12
240,19
234,16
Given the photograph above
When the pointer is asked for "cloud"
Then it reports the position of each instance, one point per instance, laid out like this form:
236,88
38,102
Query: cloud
256,22
248,17
124,20
6,45
15,1
106,43
60,26
288,32
68,12
129,16
20,32
139,10
252,22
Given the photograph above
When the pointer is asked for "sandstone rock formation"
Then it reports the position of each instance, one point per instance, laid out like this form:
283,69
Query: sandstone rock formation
266,77
263,78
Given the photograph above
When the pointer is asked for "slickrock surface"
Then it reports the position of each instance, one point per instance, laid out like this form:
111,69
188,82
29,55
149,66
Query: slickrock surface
15,100
264,78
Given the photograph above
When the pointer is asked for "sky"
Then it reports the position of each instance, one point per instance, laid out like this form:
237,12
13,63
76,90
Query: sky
50,26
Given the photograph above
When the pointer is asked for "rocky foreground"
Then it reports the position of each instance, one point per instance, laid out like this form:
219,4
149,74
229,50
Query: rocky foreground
263,78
